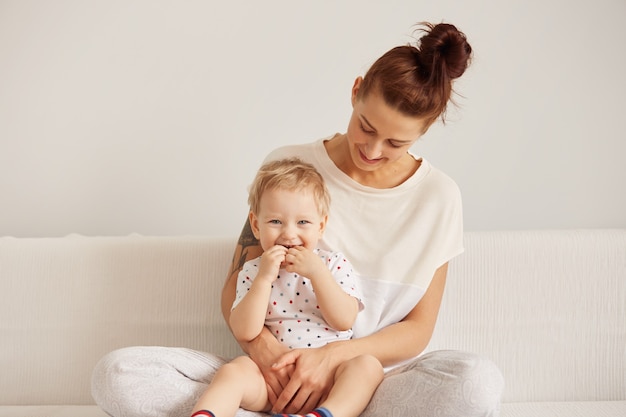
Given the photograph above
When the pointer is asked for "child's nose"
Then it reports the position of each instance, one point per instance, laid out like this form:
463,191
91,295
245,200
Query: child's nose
289,232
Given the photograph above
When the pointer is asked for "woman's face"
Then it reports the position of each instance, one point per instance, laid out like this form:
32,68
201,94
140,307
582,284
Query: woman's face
379,135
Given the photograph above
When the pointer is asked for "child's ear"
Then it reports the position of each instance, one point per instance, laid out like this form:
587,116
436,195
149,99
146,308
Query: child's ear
254,224
323,225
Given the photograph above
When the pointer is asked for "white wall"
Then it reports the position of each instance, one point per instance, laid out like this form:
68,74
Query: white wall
152,116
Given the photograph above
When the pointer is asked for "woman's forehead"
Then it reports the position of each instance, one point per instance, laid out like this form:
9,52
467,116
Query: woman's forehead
387,120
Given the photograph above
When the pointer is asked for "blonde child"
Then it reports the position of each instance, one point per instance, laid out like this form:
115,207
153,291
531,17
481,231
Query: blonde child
306,296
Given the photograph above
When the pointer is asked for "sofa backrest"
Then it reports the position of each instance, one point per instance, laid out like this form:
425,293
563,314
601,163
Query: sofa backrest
65,302
547,306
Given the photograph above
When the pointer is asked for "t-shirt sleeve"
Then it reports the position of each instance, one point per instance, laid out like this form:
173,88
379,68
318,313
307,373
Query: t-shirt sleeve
244,280
345,275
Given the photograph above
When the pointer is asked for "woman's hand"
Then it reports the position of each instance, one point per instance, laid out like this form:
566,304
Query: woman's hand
310,381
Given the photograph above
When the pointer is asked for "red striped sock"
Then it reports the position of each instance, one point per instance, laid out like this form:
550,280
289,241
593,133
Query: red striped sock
320,412
203,413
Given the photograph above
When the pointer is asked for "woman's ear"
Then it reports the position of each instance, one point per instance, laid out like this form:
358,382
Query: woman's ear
254,224
355,89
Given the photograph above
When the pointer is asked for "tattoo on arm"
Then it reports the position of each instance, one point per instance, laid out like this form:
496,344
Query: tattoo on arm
246,240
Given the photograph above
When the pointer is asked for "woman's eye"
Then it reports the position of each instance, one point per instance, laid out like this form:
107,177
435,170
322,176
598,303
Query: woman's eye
367,131
394,145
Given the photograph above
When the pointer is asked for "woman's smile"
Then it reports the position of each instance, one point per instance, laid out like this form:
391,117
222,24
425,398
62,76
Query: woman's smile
367,160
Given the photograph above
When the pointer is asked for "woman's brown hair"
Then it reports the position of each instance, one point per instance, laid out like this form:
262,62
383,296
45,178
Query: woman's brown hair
417,79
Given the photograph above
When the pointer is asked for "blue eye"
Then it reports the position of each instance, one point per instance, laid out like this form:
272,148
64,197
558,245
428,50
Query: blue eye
304,222
274,221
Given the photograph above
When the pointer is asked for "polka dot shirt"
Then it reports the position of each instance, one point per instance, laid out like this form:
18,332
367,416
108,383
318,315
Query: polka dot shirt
293,315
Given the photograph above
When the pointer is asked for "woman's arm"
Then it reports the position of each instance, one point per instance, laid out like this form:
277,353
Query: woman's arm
247,248
395,343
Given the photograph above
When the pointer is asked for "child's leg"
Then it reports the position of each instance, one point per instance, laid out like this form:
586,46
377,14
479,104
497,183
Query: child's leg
238,383
355,382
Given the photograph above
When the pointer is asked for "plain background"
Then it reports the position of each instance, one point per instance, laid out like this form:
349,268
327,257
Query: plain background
151,117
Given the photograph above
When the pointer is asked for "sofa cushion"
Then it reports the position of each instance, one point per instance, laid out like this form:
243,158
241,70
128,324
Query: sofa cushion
528,409
565,409
51,411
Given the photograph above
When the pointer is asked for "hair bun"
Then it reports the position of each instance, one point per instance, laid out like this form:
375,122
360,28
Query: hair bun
443,50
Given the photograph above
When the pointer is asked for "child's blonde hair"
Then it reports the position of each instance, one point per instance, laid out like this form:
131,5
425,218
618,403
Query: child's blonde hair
290,174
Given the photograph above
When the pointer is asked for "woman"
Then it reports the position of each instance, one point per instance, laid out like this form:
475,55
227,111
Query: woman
399,220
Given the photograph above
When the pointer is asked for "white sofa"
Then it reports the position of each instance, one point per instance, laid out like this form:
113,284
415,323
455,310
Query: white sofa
549,307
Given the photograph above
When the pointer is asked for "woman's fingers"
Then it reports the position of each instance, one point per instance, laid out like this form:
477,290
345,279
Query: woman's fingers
311,380
276,382
286,396
286,359
304,402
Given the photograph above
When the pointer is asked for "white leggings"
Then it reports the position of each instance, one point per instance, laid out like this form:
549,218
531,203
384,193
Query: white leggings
167,382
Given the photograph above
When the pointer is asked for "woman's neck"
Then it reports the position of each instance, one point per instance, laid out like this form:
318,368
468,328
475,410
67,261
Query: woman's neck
388,176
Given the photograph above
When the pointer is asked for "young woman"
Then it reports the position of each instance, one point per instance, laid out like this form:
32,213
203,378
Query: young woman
399,220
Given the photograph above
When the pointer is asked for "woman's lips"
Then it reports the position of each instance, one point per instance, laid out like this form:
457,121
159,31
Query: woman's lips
367,160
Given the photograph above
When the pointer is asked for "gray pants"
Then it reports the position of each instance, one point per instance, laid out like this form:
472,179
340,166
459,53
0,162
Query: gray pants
167,382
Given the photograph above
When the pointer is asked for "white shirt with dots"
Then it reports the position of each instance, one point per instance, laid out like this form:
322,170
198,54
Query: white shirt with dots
293,315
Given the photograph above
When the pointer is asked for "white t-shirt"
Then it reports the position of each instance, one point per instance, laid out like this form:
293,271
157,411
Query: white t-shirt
396,238
293,315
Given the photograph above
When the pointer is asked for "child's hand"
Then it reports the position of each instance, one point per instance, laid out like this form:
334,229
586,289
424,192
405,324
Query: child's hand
304,262
270,263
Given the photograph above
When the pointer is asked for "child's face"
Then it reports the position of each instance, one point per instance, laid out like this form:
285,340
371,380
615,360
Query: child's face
288,218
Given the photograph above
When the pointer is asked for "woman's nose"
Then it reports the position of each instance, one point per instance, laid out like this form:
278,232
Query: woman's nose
373,149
